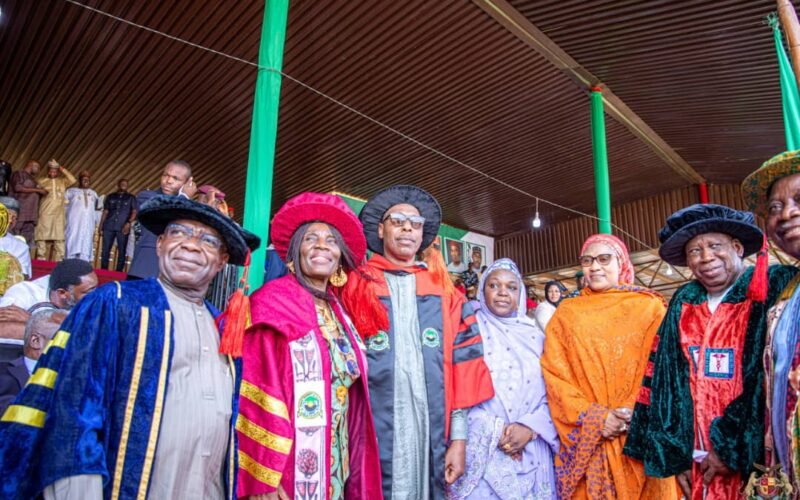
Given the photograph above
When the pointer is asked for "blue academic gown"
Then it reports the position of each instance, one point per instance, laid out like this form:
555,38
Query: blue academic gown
95,402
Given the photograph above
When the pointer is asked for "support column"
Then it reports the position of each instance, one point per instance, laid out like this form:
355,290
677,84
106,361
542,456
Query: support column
263,132
602,187
702,191
789,92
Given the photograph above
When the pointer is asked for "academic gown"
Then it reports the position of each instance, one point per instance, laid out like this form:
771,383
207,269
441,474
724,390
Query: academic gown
95,401
704,386
442,338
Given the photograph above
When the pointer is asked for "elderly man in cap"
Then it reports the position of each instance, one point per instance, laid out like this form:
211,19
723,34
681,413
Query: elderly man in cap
14,245
424,350
773,192
132,398
49,234
700,413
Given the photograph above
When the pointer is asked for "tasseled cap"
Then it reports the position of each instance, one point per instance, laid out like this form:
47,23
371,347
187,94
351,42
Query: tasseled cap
159,211
700,218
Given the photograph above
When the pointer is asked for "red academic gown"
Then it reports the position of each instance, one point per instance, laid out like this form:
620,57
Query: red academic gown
713,345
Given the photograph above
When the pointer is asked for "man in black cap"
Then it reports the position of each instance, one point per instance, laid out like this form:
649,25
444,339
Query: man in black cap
132,398
700,413
424,349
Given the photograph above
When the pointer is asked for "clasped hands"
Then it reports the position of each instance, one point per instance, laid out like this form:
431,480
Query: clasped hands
515,437
616,423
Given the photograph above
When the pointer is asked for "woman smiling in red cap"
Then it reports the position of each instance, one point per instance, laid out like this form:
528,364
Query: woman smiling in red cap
305,423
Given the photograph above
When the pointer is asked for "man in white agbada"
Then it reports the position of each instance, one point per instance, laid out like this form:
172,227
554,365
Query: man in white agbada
81,219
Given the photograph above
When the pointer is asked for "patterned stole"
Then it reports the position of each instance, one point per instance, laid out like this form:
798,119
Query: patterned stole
310,403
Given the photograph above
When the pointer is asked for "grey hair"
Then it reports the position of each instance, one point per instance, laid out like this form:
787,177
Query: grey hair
38,318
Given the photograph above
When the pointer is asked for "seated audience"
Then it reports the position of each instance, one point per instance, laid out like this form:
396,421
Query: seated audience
14,374
70,280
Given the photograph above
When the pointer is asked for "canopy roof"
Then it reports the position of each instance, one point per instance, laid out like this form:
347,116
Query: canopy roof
117,100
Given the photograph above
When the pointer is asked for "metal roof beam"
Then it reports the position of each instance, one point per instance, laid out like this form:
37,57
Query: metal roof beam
518,25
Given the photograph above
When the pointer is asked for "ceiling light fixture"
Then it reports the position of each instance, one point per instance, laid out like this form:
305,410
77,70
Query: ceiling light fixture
537,222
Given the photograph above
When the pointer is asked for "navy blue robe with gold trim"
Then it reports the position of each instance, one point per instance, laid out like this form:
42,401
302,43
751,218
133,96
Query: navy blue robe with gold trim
95,401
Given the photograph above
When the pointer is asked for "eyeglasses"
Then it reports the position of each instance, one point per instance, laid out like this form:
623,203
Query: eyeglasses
181,232
603,259
399,220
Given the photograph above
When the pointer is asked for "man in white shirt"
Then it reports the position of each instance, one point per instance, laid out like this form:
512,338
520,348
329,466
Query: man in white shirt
70,280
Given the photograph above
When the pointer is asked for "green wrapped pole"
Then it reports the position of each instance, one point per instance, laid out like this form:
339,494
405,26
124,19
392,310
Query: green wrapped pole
263,133
599,153
789,94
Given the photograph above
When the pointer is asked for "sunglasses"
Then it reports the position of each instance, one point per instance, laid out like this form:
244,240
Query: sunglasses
603,259
399,220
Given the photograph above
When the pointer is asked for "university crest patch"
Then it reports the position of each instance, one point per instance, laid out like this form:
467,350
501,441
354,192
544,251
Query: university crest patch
310,406
430,337
378,342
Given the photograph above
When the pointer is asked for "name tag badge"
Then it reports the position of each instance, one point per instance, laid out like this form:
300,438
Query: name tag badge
719,363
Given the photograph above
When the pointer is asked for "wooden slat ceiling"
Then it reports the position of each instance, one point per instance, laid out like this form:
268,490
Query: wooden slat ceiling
98,94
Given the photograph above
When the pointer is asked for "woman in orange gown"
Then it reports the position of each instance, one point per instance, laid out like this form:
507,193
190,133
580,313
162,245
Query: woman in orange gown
596,349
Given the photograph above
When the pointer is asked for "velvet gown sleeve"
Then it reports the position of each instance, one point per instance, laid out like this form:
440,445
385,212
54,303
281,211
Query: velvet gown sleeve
57,426
738,434
264,411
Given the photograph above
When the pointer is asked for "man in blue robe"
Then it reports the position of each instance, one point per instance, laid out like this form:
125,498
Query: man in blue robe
132,398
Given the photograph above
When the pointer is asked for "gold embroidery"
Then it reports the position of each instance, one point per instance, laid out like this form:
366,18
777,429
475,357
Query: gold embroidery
134,389
24,415
262,436
258,471
44,377
150,453
231,442
268,403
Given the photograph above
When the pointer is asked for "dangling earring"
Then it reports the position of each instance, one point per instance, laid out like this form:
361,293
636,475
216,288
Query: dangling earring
290,266
339,278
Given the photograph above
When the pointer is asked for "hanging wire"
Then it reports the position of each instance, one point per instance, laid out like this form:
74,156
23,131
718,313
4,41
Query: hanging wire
359,113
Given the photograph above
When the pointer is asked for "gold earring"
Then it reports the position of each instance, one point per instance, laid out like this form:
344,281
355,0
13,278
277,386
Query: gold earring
290,266
339,278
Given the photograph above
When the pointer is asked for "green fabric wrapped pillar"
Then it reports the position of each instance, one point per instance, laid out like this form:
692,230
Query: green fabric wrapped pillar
599,153
263,132
789,93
